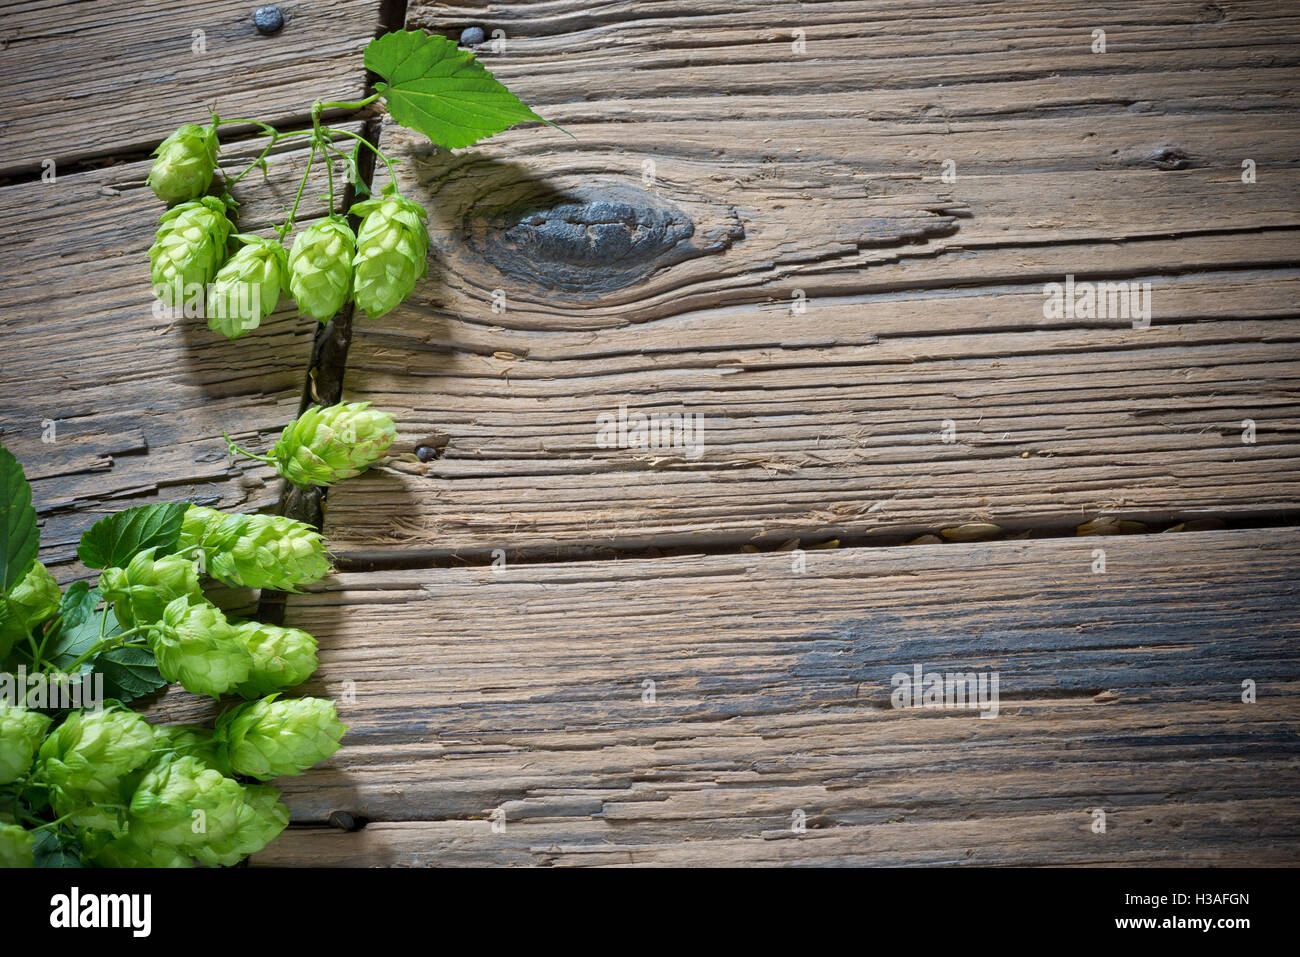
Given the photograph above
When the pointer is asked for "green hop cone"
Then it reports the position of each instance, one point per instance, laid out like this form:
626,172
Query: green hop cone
184,804
268,738
140,850
325,445
392,251
195,645
255,551
320,267
246,289
21,734
32,601
185,164
189,249
262,817
189,740
17,846
281,657
141,591
85,760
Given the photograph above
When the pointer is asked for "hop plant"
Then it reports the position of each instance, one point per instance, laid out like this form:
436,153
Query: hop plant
261,818
138,849
320,267
17,846
142,591
185,164
21,734
281,657
325,445
189,248
247,287
392,251
256,551
186,805
189,740
195,645
268,738
30,602
86,758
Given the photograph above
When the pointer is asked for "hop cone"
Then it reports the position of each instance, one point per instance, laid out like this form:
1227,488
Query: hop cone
85,759
138,849
281,657
196,646
185,163
392,251
31,601
189,249
325,445
188,740
247,287
261,819
268,738
256,551
141,591
320,267
164,806
21,733
17,846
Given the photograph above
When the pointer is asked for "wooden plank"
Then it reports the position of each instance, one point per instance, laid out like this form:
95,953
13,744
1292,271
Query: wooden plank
86,80
521,689
569,279
107,404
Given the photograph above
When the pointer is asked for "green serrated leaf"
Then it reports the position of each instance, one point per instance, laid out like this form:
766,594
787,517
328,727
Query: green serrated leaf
78,601
50,851
436,88
111,542
73,642
129,673
19,538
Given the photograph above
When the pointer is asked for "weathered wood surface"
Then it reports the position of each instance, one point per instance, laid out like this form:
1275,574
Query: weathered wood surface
669,288
520,689
96,80
108,404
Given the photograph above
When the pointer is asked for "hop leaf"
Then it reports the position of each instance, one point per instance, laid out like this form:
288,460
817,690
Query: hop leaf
247,287
326,445
268,738
185,163
141,591
392,251
186,805
440,90
189,248
17,846
196,646
281,657
256,551
84,762
21,733
320,267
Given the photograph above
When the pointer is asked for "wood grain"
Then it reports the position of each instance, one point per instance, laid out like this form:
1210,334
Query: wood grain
779,175
135,403
472,690
93,80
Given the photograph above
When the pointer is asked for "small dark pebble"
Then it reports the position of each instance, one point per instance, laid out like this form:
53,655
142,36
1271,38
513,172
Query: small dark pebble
472,36
268,20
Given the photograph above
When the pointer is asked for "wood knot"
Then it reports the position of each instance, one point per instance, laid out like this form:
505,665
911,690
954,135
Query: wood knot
590,239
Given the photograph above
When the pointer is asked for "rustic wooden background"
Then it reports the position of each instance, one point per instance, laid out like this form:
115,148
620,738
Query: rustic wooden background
501,608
